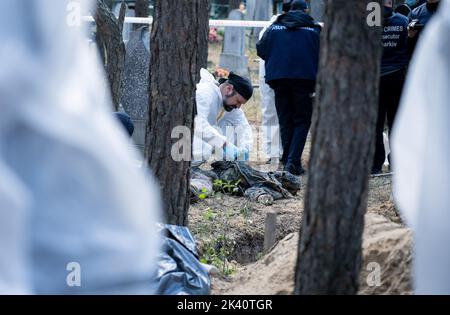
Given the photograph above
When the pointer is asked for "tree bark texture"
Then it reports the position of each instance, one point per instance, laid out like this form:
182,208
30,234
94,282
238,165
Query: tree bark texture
179,48
109,4
111,47
342,152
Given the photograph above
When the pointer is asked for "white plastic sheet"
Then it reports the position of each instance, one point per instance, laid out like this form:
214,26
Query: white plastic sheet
421,155
69,192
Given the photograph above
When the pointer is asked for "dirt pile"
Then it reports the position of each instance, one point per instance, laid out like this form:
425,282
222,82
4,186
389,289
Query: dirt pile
273,274
384,243
389,245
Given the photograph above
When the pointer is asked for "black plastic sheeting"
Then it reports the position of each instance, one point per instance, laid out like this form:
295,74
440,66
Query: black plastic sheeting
179,269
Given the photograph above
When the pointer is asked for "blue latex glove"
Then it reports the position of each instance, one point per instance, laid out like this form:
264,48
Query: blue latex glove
233,153
244,155
230,152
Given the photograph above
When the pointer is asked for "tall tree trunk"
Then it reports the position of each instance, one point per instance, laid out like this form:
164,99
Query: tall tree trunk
329,258
111,46
141,10
179,44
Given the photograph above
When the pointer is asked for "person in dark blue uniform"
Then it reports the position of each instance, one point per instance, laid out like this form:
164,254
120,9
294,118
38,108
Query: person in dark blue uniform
422,14
290,48
414,3
394,63
407,6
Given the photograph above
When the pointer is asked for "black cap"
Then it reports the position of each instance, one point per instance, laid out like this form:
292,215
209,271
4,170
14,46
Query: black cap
286,5
299,5
241,85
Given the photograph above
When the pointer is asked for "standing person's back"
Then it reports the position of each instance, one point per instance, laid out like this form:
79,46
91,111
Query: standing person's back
395,44
394,63
290,48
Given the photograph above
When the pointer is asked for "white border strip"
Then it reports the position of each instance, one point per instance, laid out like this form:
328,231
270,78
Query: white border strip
237,23
216,23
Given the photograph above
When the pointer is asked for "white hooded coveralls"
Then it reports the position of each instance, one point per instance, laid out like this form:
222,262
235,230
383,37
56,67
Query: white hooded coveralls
212,123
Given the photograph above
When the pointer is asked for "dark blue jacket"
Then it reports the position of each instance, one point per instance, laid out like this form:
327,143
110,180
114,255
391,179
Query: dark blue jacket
290,47
422,13
416,4
395,44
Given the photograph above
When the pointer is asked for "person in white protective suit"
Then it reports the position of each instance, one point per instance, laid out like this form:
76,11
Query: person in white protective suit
76,215
220,123
421,160
270,125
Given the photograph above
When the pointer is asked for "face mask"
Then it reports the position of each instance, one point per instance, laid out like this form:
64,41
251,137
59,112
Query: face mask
388,12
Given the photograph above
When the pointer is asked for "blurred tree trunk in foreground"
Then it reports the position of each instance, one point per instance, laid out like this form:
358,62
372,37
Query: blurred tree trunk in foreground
329,259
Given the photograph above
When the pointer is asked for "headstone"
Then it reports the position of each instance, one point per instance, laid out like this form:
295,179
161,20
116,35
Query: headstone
318,10
233,57
136,78
258,10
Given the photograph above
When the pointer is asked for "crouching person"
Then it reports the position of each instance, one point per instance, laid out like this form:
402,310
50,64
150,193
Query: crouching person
220,123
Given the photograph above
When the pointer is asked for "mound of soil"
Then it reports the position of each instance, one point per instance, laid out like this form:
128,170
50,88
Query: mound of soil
386,243
389,245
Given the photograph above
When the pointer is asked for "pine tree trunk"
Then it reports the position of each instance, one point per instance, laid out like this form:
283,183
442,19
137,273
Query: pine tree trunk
111,46
329,258
179,48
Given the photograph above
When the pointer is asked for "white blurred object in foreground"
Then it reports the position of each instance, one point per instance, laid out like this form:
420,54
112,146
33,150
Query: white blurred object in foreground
69,192
421,159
